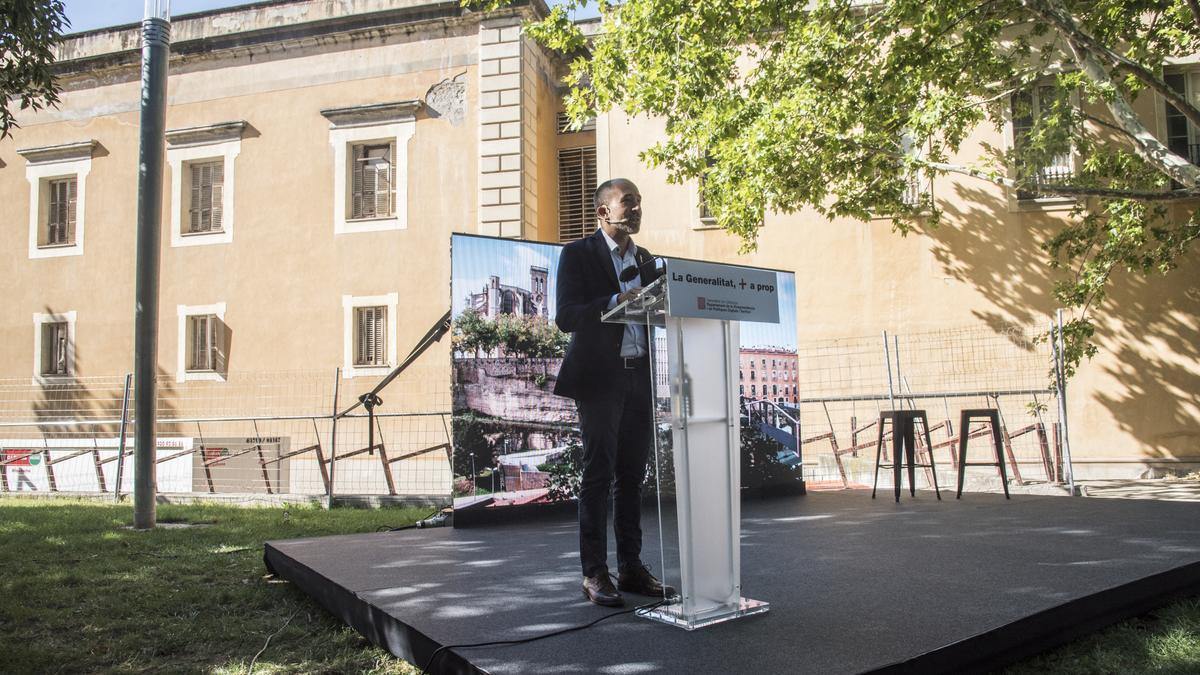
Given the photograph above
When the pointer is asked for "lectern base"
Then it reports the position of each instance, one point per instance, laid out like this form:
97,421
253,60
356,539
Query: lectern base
674,615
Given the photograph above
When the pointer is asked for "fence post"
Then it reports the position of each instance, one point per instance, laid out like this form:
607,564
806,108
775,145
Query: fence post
1061,382
887,360
337,380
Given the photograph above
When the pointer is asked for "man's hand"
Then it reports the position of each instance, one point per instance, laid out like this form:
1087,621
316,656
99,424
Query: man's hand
628,295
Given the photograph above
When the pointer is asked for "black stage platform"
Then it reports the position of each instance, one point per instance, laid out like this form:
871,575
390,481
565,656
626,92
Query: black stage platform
855,585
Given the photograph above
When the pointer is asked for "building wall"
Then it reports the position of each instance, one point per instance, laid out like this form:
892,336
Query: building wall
284,275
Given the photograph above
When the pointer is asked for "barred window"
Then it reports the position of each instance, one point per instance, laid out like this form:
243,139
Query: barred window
61,217
370,336
54,349
576,183
563,122
1027,106
207,194
372,188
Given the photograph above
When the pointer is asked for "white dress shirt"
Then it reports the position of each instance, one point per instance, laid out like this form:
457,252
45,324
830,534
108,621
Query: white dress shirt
633,342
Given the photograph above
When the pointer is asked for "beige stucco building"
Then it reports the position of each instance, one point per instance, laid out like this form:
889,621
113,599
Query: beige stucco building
319,156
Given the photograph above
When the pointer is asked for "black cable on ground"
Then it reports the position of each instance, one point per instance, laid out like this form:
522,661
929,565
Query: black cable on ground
435,519
641,609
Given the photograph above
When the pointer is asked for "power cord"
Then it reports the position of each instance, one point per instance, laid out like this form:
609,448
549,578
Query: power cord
436,519
640,610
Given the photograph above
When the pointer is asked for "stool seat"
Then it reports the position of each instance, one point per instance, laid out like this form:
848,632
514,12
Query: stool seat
904,446
992,417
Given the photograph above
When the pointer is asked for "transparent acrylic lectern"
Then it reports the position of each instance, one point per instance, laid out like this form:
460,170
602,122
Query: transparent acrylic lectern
697,462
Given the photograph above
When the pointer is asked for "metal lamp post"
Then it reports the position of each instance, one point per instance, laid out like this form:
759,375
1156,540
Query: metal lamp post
156,50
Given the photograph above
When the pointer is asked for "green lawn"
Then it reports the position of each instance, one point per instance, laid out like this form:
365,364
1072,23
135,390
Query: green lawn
82,592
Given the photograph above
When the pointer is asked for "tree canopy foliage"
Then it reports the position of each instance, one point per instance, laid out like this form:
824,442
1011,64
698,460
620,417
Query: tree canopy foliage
842,105
29,29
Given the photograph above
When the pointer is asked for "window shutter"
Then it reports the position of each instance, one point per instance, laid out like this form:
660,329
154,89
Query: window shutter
71,188
194,202
371,333
360,356
216,358
380,335
356,182
576,183
384,186
218,194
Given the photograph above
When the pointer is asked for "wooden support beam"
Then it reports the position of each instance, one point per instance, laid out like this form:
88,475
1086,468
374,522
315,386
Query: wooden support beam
418,453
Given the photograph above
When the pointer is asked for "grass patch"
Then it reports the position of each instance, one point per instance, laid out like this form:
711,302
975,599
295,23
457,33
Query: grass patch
82,592
1165,641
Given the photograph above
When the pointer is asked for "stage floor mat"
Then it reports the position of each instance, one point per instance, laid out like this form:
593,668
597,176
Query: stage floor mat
855,585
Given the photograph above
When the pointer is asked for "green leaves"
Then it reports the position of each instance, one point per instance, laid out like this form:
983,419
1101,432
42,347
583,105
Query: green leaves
843,106
29,30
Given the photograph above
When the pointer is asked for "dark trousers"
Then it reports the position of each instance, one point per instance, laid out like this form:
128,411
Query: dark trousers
617,436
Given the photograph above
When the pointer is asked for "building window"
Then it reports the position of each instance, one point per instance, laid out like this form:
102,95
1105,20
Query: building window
202,161
372,194
54,349
576,183
1183,138
53,346
60,214
204,204
753,390
741,390
703,215
1027,107
752,375
204,343
369,338
57,178
563,124
741,374
370,165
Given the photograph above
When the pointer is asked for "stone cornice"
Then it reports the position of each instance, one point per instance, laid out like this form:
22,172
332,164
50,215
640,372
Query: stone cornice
371,115
84,56
212,133
66,152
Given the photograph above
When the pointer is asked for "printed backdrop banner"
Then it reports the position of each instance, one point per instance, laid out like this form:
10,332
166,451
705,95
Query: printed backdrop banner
515,442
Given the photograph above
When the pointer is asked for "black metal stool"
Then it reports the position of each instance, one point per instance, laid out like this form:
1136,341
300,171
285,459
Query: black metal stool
992,416
904,437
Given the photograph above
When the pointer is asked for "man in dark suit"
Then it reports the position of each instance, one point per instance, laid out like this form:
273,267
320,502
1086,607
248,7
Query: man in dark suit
607,371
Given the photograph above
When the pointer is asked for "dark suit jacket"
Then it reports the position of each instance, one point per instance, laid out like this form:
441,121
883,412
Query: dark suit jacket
585,283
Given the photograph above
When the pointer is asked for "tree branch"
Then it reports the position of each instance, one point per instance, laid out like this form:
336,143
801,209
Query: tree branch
1195,7
1145,144
1076,35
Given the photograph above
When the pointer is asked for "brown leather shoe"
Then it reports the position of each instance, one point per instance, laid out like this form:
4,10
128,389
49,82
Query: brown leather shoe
639,580
600,590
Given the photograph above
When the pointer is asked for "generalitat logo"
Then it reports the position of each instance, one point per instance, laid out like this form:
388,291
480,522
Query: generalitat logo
700,303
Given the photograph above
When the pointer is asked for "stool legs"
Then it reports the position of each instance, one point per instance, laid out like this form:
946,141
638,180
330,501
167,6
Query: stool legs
992,418
898,434
997,442
910,451
964,430
878,450
932,468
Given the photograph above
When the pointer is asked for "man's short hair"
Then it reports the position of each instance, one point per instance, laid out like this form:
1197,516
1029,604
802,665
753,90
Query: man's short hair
602,190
